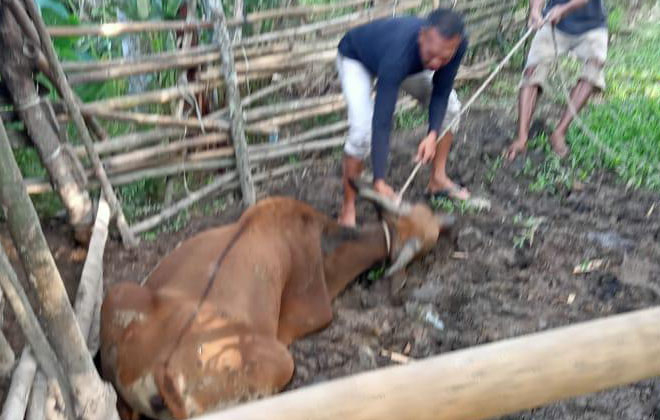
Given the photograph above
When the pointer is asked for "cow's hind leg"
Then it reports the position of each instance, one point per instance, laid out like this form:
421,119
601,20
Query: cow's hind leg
224,372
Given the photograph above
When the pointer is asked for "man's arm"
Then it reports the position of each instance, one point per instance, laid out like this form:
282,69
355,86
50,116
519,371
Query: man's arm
443,82
535,14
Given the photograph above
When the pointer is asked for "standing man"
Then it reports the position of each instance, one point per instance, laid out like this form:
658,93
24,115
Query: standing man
581,27
422,57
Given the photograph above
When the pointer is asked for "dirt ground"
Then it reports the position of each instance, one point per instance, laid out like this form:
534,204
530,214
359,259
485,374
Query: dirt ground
496,291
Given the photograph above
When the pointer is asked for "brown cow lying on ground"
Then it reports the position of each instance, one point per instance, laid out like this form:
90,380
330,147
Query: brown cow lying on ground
211,325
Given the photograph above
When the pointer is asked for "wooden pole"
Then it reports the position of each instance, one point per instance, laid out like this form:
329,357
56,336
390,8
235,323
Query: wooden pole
71,103
91,279
41,127
37,407
7,356
482,382
31,328
133,140
141,68
16,402
116,29
221,36
145,154
90,289
160,120
94,65
94,399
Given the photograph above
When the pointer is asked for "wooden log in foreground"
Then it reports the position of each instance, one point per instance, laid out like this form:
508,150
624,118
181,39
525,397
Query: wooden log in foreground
483,381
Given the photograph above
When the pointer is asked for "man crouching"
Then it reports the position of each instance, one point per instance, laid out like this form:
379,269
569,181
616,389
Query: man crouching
422,57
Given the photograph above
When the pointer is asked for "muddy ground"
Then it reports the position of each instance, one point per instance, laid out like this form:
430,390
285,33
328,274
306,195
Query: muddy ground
493,292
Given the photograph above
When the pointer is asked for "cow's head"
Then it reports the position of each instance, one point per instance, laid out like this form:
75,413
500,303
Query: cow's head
414,227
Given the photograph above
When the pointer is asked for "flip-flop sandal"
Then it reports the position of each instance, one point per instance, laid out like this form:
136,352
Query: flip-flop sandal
472,201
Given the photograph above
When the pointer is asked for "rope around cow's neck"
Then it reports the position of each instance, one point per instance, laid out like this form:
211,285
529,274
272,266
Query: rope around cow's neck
467,105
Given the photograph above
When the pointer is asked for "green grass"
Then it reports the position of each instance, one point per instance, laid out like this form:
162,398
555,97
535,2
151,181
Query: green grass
627,123
625,119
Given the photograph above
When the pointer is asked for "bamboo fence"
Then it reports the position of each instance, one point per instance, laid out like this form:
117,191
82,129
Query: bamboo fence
283,112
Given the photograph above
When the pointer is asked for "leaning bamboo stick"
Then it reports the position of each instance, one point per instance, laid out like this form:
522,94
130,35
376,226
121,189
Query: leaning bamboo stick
221,37
142,155
141,68
18,393
72,105
91,279
191,199
37,406
485,381
31,327
7,357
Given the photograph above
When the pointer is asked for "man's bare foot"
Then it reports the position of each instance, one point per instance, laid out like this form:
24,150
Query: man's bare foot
447,188
347,216
515,149
558,143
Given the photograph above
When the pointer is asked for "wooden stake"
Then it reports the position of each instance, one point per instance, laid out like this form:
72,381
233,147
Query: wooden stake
91,280
37,407
484,381
31,328
221,36
93,398
19,390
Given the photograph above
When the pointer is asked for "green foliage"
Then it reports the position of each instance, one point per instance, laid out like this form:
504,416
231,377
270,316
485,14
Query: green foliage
409,119
627,123
530,226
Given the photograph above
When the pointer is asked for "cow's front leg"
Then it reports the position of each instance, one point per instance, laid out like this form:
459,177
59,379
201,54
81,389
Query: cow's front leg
305,305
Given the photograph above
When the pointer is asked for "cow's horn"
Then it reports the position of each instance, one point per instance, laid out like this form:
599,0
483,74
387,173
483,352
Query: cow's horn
408,252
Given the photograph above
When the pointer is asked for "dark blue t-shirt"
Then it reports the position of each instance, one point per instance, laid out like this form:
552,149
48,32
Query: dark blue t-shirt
389,49
591,16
